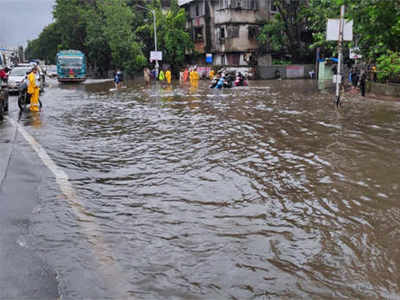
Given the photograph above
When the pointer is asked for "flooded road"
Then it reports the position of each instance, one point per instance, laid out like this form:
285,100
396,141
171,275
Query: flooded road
260,192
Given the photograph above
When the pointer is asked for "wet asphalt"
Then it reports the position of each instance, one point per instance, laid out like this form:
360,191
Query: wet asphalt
23,273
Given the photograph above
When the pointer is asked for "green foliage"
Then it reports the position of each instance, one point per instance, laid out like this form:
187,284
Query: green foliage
98,50
173,36
271,37
388,67
173,39
69,16
126,52
376,26
112,35
281,62
45,47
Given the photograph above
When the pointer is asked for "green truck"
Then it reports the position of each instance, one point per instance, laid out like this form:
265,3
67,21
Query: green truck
71,66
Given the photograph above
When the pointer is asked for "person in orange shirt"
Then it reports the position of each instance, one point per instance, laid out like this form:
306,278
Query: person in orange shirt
185,75
33,90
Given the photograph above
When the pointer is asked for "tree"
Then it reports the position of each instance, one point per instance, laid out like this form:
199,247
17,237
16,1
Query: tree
126,52
389,67
288,30
376,26
46,45
69,15
173,39
98,50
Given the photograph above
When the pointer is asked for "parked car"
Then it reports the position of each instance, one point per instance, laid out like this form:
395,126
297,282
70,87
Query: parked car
17,77
40,74
3,99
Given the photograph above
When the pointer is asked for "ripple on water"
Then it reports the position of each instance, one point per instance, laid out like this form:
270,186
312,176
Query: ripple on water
242,194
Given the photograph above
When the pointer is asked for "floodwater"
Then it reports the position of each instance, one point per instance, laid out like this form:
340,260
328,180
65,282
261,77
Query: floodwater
260,192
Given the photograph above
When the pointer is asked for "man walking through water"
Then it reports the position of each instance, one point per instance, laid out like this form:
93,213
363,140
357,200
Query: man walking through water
33,90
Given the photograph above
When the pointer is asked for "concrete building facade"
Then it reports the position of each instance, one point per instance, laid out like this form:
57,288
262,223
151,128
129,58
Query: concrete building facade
228,29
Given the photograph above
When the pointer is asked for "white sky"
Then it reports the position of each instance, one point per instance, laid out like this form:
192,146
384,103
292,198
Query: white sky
22,20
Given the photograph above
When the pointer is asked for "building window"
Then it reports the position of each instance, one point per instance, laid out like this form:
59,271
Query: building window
198,34
253,32
221,33
197,9
223,4
273,8
232,31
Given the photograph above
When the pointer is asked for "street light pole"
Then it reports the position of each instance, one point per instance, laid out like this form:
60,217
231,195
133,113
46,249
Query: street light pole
155,37
339,67
153,11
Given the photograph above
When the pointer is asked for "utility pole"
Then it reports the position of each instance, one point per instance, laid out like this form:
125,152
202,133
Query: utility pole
153,11
155,37
340,50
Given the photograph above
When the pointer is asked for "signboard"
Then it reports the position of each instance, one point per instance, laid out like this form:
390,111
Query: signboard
332,30
354,53
155,55
209,58
337,78
295,71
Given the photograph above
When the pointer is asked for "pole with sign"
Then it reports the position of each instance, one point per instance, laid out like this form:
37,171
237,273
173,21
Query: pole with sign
339,30
339,68
155,38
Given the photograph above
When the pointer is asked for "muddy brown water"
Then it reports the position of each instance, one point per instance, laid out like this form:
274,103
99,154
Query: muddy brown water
260,192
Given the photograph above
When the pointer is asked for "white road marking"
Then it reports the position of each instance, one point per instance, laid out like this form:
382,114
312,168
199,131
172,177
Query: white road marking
109,266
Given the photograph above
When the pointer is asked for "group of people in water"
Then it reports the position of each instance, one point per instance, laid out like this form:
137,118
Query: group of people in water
219,79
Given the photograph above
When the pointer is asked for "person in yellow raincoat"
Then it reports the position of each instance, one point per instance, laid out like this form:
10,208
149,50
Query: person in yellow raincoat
161,76
168,76
33,90
194,76
211,74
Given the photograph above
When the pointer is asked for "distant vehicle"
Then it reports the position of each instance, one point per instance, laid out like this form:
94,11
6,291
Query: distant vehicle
51,71
71,66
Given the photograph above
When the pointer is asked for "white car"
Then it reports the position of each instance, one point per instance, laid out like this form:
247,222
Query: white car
17,77
40,76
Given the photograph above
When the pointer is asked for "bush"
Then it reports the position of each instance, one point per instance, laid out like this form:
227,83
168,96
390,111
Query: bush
388,67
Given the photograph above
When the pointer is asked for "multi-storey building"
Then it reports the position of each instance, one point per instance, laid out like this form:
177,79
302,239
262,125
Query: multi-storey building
228,29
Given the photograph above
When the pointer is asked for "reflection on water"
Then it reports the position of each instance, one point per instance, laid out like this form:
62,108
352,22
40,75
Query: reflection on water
251,193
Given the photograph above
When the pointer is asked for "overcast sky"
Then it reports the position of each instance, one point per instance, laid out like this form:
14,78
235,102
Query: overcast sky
22,20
